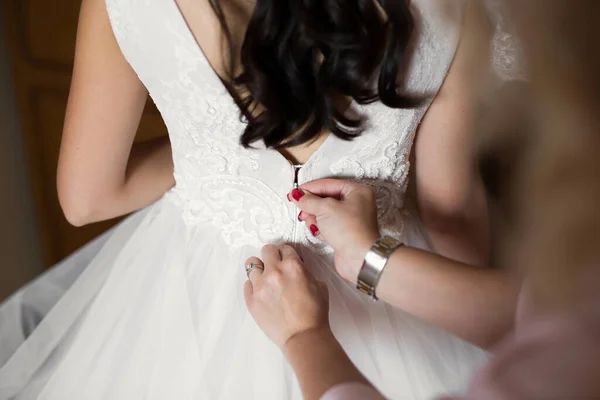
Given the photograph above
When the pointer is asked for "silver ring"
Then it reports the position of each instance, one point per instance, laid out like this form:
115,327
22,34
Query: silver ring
252,267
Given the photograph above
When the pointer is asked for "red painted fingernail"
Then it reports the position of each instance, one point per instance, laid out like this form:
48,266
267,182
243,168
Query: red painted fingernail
314,230
288,197
297,194
300,216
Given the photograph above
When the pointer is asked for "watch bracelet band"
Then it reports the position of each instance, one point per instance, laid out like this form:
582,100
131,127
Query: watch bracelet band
375,261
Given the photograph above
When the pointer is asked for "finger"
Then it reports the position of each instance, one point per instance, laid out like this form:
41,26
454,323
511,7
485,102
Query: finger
302,216
336,188
312,226
309,203
270,255
248,290
288,251
256,273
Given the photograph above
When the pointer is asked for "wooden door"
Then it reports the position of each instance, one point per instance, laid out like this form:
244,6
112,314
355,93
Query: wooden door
41,42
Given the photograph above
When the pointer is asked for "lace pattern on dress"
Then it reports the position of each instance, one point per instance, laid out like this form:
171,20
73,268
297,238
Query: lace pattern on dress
382,162
246,211
239,191
506,49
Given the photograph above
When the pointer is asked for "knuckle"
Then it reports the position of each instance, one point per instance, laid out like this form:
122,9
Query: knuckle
293,264
253,260
329,203
262,295
274,278
287,248
269,247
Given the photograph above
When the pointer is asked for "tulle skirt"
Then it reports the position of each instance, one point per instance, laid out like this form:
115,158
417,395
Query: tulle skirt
154,309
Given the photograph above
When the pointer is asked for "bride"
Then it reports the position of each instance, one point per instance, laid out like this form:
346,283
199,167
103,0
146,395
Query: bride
258,97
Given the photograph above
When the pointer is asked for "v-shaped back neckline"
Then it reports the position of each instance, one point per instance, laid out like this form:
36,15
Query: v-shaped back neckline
218,81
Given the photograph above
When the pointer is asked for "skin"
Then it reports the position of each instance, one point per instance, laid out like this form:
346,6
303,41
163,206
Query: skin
291,307
449,289
536,353
448,188
102,174
337,210
455,296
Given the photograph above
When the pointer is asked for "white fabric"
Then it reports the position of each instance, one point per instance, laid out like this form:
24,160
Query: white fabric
508,60
155,309
24,310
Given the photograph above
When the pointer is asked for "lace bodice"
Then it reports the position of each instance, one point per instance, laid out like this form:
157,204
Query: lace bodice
242,192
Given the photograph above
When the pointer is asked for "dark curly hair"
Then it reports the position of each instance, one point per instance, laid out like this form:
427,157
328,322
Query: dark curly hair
299,56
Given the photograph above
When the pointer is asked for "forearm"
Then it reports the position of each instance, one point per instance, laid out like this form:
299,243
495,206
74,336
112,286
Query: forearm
320,363
149,174
476,304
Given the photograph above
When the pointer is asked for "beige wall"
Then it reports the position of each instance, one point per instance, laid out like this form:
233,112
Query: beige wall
20,258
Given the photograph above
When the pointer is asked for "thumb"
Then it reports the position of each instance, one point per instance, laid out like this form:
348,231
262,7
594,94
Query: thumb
308,202
336,188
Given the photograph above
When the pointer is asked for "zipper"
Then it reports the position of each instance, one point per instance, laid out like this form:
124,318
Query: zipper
297,169
295,185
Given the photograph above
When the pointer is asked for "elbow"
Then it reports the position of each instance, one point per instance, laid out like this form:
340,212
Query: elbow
73,196
449,209
75,218
77,211
79,204
444,216
458,230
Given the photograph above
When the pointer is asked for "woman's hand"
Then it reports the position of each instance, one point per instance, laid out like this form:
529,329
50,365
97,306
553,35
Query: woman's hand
284,299
344,215
292,308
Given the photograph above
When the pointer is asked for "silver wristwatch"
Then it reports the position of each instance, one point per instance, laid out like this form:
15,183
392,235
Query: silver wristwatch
375,261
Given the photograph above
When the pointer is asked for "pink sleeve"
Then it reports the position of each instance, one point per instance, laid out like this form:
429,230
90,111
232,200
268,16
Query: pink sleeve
558,358
352,391
555,358
546,358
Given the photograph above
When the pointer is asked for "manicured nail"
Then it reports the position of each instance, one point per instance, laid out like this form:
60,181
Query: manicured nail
314,230
300,216
297,194
288,197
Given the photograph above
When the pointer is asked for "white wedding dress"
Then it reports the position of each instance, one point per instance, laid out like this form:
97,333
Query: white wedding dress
154,309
